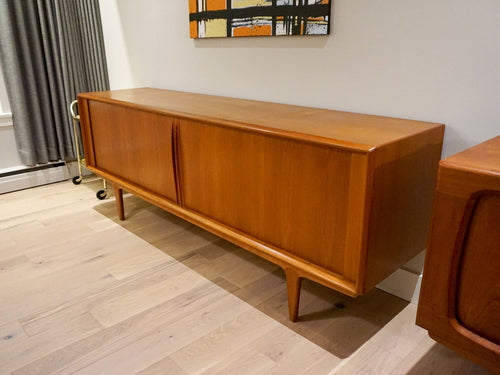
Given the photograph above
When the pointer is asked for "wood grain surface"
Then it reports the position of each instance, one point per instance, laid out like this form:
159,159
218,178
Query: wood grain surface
134,145
289,194
478,289
342,199
460,295
344,129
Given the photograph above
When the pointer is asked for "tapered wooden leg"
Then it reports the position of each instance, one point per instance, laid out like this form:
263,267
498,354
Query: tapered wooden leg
119,202
293,282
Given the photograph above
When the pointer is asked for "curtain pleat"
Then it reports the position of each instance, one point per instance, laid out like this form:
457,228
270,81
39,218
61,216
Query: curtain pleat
50,50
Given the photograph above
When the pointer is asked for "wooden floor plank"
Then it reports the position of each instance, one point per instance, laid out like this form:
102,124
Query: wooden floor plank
177,280
292,354
166,339
163,367
126,267
90,349
10,333
371,360
431,357
23,298
17,353
221,343
244,362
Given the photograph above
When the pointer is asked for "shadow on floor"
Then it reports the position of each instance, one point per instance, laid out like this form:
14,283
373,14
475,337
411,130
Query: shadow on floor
441,360
336,322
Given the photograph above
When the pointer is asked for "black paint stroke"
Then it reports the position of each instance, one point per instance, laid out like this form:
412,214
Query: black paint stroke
314,10
290,13
273,27
229,21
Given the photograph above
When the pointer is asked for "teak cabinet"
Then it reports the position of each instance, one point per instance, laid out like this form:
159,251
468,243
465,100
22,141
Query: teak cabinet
460,295
340,198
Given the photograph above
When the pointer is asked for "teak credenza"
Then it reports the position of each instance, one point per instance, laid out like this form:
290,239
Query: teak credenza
339,198
460,296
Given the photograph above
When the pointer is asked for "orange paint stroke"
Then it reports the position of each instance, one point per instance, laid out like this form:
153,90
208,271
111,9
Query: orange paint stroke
216,4
318,19
193,8
193,29
254,30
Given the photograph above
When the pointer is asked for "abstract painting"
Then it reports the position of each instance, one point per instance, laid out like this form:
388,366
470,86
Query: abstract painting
233,18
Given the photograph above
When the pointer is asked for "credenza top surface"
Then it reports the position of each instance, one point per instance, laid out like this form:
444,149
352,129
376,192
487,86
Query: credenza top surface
350,130
484,157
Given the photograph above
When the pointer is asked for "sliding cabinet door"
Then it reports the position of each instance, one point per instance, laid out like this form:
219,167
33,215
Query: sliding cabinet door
289,194
134,145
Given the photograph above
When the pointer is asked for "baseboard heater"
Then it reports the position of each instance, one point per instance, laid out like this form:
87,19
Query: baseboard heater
32,169
12,179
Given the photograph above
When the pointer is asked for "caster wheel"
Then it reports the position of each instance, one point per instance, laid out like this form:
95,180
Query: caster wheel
77,180
101,194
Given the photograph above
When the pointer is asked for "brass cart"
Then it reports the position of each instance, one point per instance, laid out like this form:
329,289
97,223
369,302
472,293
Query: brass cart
101,194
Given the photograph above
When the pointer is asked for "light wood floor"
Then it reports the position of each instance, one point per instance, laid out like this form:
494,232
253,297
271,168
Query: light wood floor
81,292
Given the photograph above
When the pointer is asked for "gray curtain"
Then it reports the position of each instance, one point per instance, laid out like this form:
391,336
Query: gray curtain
50,50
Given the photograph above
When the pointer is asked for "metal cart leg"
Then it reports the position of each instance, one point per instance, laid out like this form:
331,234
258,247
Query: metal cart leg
76,179
101,194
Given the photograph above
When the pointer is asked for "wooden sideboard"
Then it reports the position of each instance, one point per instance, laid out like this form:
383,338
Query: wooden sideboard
460,295
342,199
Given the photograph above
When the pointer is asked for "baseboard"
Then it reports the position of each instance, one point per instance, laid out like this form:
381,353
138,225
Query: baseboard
403,284
21,177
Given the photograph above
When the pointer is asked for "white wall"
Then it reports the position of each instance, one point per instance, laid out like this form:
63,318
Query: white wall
427,60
